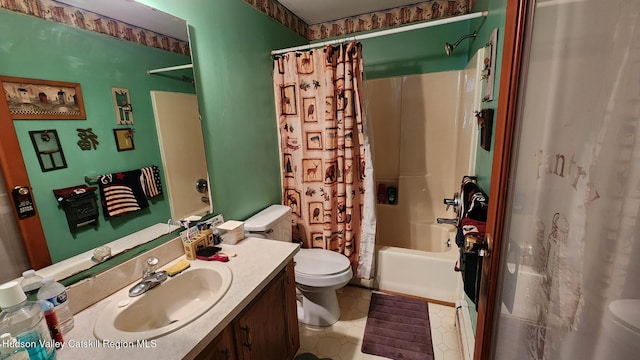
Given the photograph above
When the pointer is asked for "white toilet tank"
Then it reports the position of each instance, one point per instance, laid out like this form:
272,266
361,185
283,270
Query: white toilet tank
273,222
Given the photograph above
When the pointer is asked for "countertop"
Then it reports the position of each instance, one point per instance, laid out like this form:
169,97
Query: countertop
256,264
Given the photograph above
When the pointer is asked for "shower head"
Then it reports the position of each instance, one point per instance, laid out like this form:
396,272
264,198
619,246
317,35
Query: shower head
448,48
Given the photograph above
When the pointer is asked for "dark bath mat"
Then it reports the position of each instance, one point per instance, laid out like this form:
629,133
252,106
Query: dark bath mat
398,328
308,356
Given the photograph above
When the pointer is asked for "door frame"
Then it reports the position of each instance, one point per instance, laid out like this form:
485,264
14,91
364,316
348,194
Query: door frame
510,80
15,174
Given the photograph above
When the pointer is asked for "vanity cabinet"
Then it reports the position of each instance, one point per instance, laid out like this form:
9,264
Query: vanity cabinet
221,348
266,329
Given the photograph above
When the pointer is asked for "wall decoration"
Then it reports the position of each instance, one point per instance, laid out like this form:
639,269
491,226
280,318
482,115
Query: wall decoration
88,139
43,99
124,139
48,150
79,205
122,103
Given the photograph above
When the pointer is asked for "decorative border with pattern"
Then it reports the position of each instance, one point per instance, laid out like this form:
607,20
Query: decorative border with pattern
426,10
53,11
281,14
421,11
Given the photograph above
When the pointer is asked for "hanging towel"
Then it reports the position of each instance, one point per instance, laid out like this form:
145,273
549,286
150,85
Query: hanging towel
473,212
150,180
122,193
471,221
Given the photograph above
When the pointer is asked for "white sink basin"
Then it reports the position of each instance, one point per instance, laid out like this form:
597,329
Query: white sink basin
165,308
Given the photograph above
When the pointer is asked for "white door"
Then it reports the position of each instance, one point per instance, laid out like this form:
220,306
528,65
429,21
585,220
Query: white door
182,148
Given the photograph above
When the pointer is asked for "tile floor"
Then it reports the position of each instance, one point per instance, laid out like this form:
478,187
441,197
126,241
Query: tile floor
343,340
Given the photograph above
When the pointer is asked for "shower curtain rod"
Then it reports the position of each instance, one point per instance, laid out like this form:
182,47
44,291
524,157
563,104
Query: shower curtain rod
171,68
385,32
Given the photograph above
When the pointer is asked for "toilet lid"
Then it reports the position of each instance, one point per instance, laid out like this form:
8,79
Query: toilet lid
627,312
320,262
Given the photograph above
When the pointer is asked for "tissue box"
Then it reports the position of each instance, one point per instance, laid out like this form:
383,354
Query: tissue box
231,232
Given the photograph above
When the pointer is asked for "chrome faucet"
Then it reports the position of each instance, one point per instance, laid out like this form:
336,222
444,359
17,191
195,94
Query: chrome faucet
150,278
447,221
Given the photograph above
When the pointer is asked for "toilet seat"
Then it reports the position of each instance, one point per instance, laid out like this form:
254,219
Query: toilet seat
626,312
321,268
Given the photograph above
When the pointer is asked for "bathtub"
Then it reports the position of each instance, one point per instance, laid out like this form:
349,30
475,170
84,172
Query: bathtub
426,271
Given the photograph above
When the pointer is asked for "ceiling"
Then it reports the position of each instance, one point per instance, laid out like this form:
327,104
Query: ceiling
311,11
315,11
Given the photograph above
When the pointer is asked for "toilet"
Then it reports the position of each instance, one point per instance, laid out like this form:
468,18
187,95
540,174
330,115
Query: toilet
318,273
620,331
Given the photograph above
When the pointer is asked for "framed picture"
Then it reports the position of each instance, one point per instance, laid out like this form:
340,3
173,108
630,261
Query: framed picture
122,103
124,139
43,99
47,146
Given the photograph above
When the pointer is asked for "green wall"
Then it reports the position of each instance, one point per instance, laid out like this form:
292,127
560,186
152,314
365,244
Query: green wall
484,160
495,19
34,48
415,52
231,44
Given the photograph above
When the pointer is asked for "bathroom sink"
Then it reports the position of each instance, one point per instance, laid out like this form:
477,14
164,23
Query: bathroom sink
169,306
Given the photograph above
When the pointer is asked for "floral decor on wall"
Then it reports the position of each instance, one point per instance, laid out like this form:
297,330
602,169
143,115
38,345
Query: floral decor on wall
82,19
421,11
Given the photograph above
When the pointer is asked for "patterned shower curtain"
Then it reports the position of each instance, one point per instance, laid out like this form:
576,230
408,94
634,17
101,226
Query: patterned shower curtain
327,176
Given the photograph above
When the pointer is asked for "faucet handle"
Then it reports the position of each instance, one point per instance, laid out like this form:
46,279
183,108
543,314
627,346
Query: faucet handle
150,266
455,202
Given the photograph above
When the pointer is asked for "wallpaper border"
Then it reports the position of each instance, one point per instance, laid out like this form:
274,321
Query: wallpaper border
54,11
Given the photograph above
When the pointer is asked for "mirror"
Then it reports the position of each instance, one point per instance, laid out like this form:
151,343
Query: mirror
101,48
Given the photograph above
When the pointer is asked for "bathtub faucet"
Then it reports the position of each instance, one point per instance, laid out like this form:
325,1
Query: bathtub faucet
447,221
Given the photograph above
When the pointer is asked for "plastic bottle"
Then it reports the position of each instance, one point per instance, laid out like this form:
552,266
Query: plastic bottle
392,195
53,324
56,293
31,282
10,348
25,321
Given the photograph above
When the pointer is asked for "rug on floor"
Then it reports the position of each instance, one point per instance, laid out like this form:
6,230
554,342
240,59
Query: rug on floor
398,328
308,356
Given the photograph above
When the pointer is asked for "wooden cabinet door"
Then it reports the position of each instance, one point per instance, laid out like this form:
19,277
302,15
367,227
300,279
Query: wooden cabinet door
262,327
291,310
221,348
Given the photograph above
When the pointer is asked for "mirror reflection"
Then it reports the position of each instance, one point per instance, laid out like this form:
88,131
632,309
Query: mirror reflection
129,59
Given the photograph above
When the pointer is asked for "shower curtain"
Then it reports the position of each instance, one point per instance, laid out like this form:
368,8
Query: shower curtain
327,175
573,237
